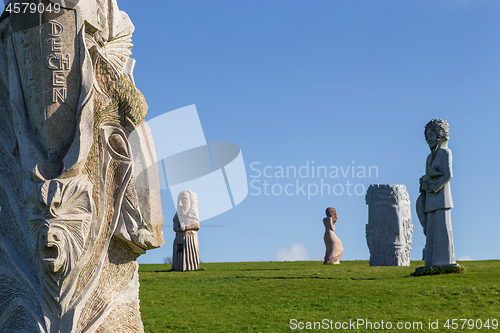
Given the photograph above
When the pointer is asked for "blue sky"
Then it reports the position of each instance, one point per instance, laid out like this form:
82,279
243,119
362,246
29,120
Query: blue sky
340,83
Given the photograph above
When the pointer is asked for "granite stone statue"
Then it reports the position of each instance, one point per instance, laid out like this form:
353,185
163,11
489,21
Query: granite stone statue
389,230
76,205
435,202
334,249
186,254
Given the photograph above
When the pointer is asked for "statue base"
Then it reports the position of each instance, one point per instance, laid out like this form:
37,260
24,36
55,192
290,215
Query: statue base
438,269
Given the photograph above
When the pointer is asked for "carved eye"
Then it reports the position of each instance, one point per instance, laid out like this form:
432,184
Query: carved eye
118,144
405,211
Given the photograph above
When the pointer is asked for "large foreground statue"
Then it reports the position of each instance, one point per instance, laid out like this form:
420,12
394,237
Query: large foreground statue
434,202
78,203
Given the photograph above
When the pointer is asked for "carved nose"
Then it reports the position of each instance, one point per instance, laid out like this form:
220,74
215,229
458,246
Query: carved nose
53,235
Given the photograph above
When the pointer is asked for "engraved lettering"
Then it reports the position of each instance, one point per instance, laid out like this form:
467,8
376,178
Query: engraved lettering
50,61
59,94
24,41
56,45
58,62
65,62
58,79
56,29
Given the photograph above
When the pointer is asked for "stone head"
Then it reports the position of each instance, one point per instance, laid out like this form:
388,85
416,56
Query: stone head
187,205
389,229
436,130
331,212
60,215
57,246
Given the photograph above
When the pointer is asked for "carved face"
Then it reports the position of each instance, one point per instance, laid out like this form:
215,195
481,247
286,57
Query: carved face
60,215
60,242
393,219
431,138
52,244
183,203
389,233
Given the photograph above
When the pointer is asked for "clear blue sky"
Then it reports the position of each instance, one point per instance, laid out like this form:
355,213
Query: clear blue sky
340,83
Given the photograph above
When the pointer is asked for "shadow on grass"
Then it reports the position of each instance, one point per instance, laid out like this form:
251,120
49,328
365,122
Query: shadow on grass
430,270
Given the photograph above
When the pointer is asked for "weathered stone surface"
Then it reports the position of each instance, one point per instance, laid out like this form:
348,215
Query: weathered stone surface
389,230
334,249
76,206
186,254
434,203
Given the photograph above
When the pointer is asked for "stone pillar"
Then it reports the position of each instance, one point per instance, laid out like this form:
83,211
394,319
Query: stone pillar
389,229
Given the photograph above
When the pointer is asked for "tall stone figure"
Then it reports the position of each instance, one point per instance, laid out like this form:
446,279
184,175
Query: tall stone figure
389,230
78,202
434,202
186,254
334,249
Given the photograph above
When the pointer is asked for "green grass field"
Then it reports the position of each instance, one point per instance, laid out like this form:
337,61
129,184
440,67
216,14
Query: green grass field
284,296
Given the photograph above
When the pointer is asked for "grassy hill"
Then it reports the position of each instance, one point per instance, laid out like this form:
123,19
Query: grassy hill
286,296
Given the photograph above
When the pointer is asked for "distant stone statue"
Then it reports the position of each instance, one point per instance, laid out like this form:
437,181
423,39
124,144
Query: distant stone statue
333,244
79,185
434,202
185,256
389,230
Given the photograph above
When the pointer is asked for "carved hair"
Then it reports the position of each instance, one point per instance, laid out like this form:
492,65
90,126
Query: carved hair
440,127
393,193
331,212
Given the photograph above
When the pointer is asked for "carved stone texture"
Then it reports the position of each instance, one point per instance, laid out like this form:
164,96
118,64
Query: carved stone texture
434,203
186,254
389,230
334,249
76,206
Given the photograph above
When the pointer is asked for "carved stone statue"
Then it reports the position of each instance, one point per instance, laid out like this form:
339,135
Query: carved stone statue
389,230
333,244
77,205
186,255
434,202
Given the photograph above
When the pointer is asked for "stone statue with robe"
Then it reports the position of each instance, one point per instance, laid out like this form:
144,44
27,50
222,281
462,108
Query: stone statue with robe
186,253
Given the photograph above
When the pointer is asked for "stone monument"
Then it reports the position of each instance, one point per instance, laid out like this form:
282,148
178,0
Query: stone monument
186,256
79,188
333,244
434,203
389,230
